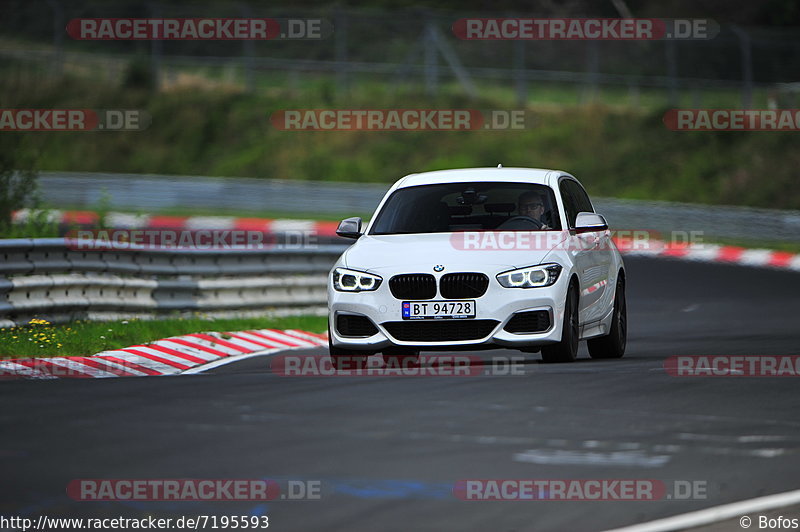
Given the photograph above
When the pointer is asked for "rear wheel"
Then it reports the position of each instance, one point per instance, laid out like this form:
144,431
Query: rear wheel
567,349
346,359
613,344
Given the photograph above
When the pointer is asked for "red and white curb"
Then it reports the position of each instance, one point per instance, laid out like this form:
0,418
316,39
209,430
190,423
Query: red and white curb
191,353
760,258
122,220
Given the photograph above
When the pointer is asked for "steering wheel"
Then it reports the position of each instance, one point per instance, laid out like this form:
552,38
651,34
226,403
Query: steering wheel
522,222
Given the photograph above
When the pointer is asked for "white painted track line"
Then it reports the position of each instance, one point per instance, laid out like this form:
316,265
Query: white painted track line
716,514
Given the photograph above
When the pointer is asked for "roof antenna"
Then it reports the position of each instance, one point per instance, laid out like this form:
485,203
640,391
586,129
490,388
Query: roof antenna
499,165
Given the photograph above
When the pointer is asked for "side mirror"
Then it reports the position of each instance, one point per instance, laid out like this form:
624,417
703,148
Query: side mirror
349,228
587,222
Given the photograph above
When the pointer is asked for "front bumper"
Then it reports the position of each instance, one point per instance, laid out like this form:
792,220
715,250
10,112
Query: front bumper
498,304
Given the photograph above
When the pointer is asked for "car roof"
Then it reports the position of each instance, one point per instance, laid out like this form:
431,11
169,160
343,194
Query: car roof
513,175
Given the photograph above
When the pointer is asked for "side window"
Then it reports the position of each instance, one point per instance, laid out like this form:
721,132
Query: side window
581,198
570,205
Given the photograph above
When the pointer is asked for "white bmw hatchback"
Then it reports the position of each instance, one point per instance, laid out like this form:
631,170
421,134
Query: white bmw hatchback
479,258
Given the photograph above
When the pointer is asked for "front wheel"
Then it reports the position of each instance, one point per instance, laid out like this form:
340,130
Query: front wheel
613,344
567,349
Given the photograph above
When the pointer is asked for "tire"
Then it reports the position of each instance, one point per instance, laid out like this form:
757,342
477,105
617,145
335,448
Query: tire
346,359
613,344
400,357
567,349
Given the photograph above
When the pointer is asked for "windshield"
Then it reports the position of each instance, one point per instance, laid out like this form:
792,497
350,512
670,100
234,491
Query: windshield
481,206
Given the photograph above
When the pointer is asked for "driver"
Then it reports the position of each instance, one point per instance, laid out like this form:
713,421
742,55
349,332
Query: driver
531,204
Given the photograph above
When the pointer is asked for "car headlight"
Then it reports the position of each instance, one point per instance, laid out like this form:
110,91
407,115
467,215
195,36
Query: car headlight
531,277
345,280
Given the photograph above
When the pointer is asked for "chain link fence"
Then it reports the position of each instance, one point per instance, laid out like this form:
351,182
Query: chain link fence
409,48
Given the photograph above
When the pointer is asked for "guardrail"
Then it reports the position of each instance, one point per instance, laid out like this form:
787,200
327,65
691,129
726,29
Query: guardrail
152,192
158,192
48,278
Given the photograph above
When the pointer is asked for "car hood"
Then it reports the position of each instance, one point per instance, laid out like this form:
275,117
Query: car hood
421,252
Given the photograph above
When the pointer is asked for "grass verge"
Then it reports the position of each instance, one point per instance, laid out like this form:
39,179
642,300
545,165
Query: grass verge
616,151
41,339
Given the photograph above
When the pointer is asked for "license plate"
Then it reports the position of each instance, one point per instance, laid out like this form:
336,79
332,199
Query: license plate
438,310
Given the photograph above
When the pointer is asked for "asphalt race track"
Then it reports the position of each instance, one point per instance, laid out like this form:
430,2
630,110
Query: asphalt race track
388,450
